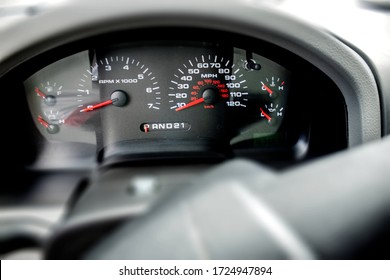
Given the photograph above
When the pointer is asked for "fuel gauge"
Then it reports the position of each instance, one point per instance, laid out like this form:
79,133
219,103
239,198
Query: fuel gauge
48,92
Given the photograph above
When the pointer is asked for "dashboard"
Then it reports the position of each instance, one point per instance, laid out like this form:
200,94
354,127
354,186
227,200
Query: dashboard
125,113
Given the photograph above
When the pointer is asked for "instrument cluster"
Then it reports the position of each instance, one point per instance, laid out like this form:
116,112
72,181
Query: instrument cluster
166,97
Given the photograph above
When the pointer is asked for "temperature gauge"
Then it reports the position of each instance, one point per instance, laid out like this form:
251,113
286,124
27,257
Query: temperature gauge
274,86
50,127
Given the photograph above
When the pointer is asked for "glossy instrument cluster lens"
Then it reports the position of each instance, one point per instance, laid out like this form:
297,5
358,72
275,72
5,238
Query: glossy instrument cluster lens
160,91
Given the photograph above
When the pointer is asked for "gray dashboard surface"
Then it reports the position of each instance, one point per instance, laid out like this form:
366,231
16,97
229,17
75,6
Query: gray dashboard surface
364,25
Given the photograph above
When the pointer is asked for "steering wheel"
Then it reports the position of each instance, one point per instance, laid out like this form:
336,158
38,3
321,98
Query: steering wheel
333,208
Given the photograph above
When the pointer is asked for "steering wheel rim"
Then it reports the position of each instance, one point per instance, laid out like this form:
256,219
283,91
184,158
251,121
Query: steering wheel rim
243,210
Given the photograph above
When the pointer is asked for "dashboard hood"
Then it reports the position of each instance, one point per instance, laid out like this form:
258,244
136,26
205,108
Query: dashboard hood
50,26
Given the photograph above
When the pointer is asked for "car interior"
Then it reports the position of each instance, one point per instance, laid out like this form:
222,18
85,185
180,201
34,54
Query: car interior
224,129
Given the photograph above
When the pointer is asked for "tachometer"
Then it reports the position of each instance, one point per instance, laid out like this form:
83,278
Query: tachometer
205,81
125,74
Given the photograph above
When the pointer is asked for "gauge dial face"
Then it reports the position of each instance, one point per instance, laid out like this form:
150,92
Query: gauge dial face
205,81
131,76
272,112
273,86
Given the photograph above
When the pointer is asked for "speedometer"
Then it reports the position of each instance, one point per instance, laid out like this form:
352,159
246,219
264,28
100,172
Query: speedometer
205,81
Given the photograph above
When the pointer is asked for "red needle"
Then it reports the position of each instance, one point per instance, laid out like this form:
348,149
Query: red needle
265,115
267,88
40,93
192,103
43,122
93,107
